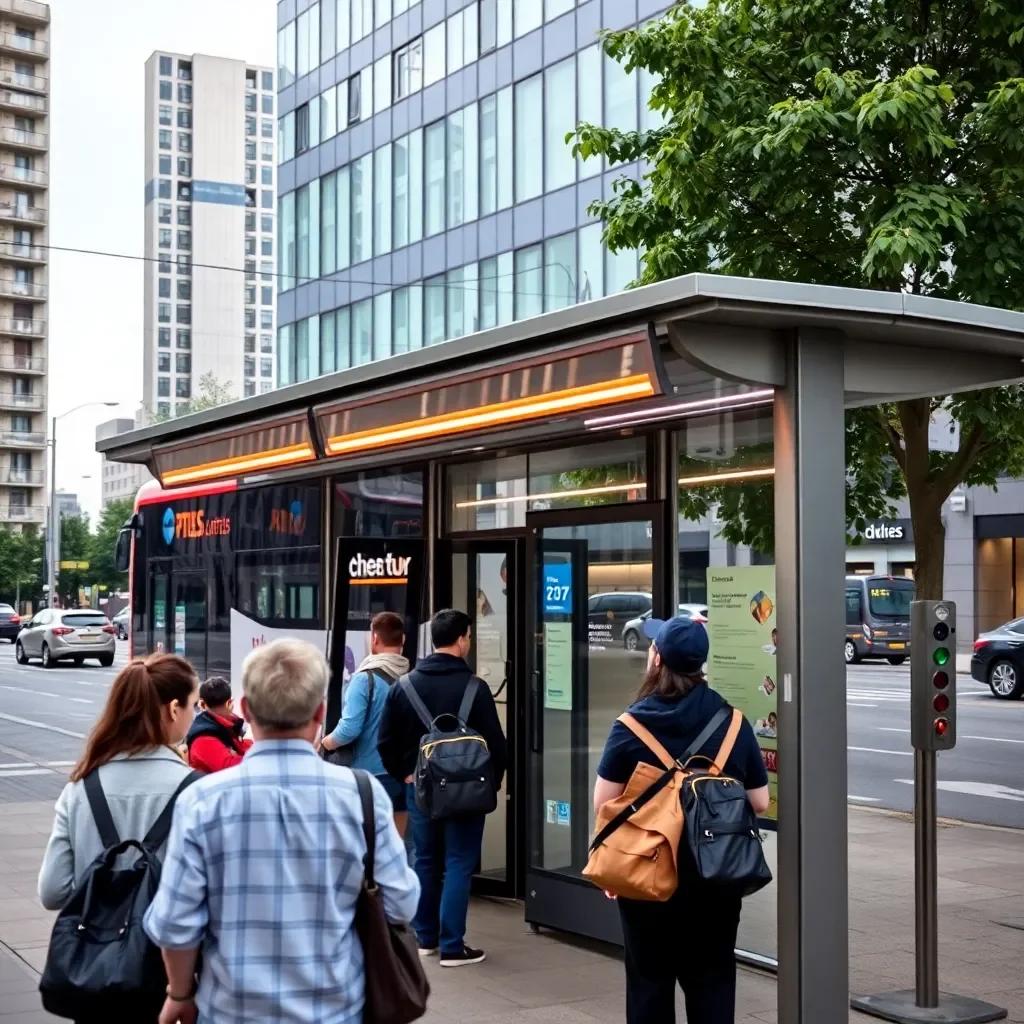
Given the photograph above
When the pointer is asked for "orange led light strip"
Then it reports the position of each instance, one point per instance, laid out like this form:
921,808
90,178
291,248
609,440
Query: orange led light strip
274,458
580,492
377,581
589,396
717,478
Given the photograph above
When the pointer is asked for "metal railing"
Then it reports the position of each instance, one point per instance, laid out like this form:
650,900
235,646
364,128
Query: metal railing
28,477
21,80
23,137
23,175
22,364
22,289
22,251
26,9
19,211
22,513
21,325
12,41
23,101
14,400
25,438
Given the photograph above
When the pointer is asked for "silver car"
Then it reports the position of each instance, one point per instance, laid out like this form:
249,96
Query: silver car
633,638
55,634
120,622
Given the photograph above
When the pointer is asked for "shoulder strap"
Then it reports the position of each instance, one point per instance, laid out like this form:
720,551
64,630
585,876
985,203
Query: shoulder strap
371,680
414,699
708,731
157,835
467,700
101,810
369,825
728,743
646,737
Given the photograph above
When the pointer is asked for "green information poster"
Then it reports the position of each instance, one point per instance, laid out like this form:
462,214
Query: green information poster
558,665
741,662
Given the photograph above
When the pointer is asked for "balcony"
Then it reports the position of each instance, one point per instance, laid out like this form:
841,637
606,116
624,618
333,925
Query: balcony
20,80
29,290
12,363
19,213
21,327
20,252
22,514
22,439
19,101
24,477
26,10
21,138
20,45
19,402
23,177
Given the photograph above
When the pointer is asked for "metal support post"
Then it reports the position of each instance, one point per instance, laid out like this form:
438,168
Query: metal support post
926,879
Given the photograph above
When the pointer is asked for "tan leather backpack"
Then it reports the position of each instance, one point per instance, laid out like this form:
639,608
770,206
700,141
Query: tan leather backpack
634,853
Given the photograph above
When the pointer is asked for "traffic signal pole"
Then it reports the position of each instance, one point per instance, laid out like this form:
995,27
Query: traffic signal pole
932,728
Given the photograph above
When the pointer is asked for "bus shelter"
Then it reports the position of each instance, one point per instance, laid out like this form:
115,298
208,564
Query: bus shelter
547,476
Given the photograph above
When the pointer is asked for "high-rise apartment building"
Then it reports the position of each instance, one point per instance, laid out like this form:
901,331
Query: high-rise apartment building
425,188
24,217
210,229
120,479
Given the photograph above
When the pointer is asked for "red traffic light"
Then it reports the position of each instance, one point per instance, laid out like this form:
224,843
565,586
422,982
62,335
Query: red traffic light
941,726
941,703
940,680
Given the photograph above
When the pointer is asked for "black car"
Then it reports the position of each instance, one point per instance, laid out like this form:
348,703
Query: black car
10,623
999,660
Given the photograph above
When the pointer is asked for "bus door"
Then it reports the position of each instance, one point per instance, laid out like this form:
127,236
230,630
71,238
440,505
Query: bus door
178,603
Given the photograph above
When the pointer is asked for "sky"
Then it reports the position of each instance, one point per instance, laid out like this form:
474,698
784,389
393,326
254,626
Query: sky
97,132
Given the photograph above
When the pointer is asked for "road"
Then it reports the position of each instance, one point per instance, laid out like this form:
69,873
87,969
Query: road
46,714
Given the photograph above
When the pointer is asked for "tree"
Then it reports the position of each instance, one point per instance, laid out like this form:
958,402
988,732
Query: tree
21,566
864,143
210,394
102,568
74,547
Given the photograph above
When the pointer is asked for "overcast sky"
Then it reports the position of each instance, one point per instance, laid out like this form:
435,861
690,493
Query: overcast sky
99,48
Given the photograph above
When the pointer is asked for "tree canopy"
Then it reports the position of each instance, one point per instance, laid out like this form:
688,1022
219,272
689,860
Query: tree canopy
863,143
209,394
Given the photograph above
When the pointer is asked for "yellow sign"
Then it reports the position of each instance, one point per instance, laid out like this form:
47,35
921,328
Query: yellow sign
74,565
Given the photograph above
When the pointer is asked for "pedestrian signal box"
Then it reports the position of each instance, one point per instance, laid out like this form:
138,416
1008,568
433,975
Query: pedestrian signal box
933,675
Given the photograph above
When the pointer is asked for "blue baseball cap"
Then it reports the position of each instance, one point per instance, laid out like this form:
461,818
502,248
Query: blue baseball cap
681,642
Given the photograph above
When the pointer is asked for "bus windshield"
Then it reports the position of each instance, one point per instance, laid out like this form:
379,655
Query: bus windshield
891,599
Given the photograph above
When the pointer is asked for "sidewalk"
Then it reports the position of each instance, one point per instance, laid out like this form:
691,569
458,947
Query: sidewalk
533,979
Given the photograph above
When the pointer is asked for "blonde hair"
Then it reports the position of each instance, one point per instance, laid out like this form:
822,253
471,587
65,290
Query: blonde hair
284,683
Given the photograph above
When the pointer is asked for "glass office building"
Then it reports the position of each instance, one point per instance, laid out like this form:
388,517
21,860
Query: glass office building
425,188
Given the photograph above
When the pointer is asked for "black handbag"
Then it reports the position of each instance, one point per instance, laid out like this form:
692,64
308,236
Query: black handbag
345,755
101,964
396,988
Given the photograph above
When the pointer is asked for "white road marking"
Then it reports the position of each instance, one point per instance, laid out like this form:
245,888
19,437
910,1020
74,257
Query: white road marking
863,799
992,739
61,764
991,789
26,771
875,750
42,725
891,728
81,700
35,693
852,704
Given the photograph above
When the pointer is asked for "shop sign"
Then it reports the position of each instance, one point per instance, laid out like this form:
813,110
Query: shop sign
386,568
888,531
557,588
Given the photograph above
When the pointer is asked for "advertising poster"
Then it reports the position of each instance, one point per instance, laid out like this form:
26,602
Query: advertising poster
558,665
741,662
247,634
179,629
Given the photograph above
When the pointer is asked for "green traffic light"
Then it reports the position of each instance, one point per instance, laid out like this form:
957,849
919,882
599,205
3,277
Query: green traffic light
940,655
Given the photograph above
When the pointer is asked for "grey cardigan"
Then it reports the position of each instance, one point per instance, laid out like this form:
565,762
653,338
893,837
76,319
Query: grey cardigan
137,789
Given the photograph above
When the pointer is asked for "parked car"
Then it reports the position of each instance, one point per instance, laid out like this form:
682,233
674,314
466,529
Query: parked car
998,660
877,618
633,638
120,623
74,634
10,623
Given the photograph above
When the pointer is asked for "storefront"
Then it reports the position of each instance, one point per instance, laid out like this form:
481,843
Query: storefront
886,549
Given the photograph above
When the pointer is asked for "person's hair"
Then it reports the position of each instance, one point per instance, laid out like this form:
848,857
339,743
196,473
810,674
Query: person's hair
284,683
661,681
389,627
132,719
448,626
215,692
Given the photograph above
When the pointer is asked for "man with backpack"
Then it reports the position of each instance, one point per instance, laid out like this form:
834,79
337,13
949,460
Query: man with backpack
452,775
216,739
355,736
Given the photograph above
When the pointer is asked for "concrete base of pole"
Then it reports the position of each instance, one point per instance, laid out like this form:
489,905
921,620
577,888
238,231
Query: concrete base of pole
902,1008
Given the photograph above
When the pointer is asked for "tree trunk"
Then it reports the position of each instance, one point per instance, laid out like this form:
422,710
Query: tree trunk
929,545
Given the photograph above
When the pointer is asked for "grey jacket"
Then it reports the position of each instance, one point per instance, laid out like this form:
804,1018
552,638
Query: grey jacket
137,789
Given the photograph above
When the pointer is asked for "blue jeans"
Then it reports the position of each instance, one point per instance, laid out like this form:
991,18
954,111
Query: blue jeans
447,855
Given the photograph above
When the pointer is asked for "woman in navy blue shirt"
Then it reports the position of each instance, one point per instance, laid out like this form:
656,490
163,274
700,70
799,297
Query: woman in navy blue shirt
691,937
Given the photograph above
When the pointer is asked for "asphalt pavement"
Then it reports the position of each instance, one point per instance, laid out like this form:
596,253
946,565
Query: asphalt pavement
45,714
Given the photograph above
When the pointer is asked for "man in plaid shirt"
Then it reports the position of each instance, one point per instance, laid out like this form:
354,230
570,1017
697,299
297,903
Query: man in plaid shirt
264,866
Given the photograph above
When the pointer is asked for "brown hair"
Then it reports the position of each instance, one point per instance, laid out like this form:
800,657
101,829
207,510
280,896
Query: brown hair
133,720
661,681
389,627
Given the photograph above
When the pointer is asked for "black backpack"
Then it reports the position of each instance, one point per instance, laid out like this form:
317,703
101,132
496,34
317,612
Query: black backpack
721,826
101,964
454,774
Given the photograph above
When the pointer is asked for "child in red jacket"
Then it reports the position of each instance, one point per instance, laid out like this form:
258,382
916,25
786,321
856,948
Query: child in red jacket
215,739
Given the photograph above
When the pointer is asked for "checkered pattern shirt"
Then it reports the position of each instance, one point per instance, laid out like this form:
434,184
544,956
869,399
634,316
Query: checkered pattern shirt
262,870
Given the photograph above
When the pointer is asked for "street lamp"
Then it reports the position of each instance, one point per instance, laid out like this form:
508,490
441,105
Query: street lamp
54,524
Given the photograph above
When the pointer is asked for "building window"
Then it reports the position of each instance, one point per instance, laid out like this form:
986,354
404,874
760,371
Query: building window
163,337
183,387
267,104
250,102
286,137
433,54
163,387
250,151
407,318
183,338
407,210
184,142
267,81
250,126
434,145
184,192
185,215
164,264
559,120
185,70
164,188
267,223
250,388
433,313
165,66
250,295
382,200
184,290
267,199
164,238
307,38
250,366
184,117
302,134
165,164
496,162
164,287
529,111
362,207
165,116
163,362
164,140
266,343
250,270
183,362
560,272
250,343
184,265
183,315
463,38
286,55
328,114
362,19
266,296
164,213
184,93
166,91
250,174
463,150
620,95
266,127
267,151
495,24
266,367
184,239
409,69
529,282
266,319
529,16
185,166
382,84
266,267
250,246
266,175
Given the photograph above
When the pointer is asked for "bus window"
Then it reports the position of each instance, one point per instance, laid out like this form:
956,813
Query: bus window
280,586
